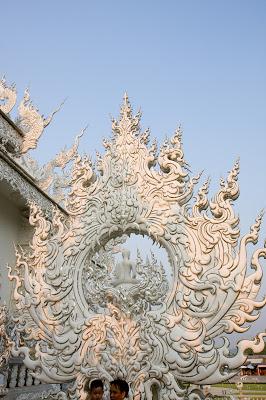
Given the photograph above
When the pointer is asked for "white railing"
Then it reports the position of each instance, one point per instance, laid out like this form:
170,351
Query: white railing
19,375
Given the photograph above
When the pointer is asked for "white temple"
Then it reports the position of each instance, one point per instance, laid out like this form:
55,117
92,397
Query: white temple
72,313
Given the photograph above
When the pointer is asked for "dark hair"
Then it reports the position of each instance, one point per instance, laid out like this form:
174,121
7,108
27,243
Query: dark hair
90,385
121,385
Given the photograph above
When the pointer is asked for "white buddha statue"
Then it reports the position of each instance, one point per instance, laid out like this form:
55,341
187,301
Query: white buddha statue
125,271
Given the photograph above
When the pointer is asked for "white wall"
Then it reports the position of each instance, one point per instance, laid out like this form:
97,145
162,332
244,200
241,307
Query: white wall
14,229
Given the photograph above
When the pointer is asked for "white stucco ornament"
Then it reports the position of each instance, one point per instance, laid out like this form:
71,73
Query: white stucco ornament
8,96
5,342
91,316
31,123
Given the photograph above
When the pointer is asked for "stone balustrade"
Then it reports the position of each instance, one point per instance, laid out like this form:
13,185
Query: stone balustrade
19,375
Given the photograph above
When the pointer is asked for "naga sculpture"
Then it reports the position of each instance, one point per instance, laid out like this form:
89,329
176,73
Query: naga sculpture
8,96
53,178
30,122
87,320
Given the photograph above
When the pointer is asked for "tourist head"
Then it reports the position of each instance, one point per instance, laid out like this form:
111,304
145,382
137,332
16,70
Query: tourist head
118,389
95,389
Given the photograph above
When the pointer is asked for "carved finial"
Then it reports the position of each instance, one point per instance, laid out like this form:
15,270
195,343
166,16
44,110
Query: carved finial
154,146
145,136
255,228
201,199
8,95
177,138
65,156
171,149
126,110
230,187
127,124
125,97
50,117
31,122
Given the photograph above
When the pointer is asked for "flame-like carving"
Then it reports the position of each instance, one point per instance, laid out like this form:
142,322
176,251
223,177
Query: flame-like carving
31,122
53,178
171,338
50,181
8,95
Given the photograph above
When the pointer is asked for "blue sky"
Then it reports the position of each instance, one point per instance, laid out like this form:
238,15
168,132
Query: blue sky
200,63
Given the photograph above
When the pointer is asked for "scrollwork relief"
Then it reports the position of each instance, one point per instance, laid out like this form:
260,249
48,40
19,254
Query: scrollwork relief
92,317
132,288
53,177
5,342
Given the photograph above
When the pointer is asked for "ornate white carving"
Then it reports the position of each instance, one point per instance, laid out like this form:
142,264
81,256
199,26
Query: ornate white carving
47,178
5,348
10,140
53,393
8,95
5,343
27,190
31,122
85,323
131,287
125,271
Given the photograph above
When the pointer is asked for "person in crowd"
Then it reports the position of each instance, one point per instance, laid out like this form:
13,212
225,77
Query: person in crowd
118,389
94,389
